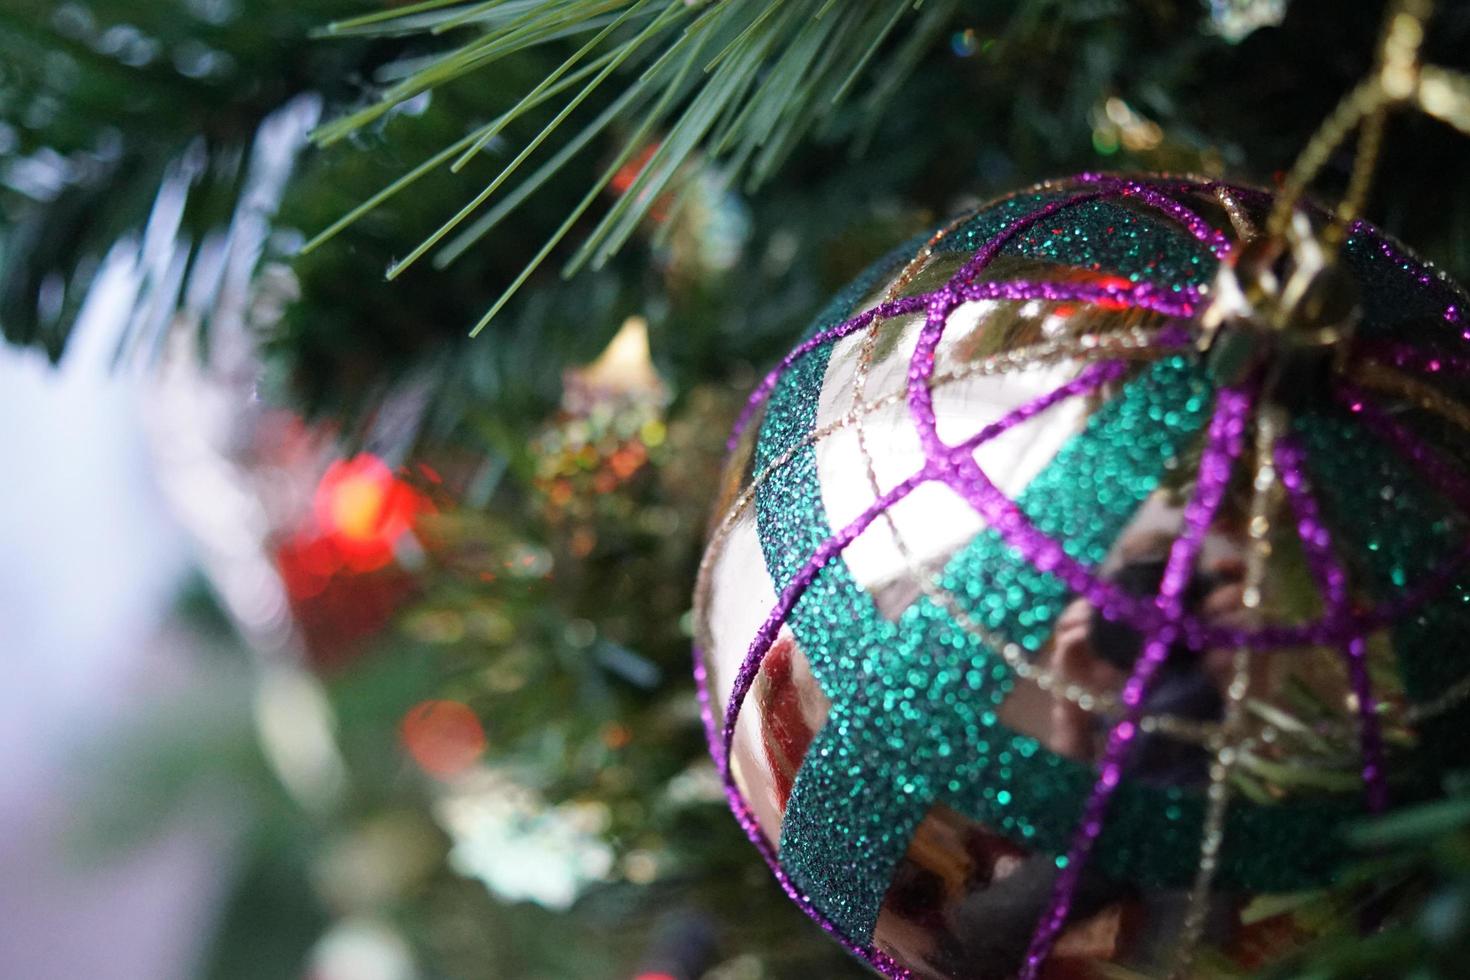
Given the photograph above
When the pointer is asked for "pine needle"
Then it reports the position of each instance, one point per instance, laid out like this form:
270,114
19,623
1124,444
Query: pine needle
438,159
623,53
340,27
778,70
548,81
635,143
482,225
852,76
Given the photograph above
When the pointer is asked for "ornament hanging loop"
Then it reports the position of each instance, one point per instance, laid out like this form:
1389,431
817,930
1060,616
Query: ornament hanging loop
1282,309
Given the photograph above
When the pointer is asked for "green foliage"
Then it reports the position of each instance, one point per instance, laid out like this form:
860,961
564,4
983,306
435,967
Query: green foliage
738,83
104,101
1403,909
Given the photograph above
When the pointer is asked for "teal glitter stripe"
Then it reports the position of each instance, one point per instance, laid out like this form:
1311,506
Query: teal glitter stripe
791,414
1398,528
913,716
1401,299
913,704
1099,236
1392,531
986,224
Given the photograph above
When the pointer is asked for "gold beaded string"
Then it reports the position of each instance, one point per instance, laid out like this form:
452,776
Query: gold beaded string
1399,80
1229,739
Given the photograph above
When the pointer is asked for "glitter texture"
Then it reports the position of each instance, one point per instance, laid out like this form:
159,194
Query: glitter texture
918,693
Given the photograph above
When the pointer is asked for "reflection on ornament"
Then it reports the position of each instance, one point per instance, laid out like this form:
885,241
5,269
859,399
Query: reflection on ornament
1035,634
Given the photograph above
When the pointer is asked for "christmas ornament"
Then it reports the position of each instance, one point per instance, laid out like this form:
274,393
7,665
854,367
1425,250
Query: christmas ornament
1084,570
611,425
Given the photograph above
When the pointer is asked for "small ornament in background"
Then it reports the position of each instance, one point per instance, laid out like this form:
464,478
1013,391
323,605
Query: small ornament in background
444,737
1053,611
611,425
522,847
1116,125
365,511
338,561
1236,20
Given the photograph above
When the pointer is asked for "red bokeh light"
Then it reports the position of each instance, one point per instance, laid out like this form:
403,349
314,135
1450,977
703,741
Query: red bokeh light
337,565
363,509
443,737
1119,283
627,175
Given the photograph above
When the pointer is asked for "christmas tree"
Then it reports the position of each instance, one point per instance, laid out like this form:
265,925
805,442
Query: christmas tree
446,309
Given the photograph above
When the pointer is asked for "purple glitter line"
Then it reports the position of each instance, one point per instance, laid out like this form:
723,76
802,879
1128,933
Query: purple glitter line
1446,479
1197,226
744,816
722,743
1223,444
797,587
1397,254
1141,614
1417,359
938,305
909,303
1332,579
1389,250
1091,378
1110,187
762,391
985,253
1045,554
1142,295
1115,605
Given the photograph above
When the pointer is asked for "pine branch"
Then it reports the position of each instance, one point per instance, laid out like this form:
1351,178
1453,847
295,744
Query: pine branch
734,85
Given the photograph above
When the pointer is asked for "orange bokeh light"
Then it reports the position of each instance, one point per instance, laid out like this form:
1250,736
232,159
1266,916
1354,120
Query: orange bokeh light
443,737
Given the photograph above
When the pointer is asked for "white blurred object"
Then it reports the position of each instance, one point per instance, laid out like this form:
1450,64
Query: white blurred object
92,564
361,949
201,414
523,849
93,561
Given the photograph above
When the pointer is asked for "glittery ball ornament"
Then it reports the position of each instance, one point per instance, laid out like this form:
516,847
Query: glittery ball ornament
1047,622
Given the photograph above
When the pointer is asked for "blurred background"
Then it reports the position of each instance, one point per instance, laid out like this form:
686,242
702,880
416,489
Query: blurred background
340,645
